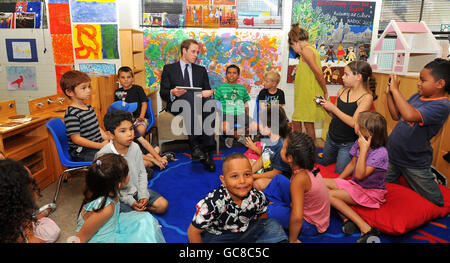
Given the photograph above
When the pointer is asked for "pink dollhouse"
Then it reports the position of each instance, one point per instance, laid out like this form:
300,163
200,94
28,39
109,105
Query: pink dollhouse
404,48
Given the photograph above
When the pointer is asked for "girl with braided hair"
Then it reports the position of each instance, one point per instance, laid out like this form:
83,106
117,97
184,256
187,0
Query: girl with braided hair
301,203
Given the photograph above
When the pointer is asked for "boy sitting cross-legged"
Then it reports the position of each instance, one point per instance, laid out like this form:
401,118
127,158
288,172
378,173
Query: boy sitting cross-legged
226,214
234,100
135,195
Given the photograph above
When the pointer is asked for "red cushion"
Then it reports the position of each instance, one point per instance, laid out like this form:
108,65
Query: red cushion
327,171
404,209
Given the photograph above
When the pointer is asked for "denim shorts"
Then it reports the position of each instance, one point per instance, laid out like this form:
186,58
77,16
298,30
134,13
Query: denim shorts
265,230
338,153
420,180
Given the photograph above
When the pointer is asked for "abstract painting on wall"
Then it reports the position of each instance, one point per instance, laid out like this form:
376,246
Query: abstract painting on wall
110,48
100,69
60,70
62,49
93,11
254,52
59,19
21,78
93,41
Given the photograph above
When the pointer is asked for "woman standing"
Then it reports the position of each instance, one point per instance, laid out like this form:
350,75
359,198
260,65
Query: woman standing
309,82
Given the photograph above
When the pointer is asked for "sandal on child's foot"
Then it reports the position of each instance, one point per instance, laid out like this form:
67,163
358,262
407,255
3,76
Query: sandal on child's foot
367,237
349,227
169,155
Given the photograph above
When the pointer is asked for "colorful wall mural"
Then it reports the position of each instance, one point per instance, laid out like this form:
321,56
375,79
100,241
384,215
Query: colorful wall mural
255,52
340,30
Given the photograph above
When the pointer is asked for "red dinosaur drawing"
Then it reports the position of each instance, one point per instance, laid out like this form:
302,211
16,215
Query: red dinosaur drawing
249,21
18,81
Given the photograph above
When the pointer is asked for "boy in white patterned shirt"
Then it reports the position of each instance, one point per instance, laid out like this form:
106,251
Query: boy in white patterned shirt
225,214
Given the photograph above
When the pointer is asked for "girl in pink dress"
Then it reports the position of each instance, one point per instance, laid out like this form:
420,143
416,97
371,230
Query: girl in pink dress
368,168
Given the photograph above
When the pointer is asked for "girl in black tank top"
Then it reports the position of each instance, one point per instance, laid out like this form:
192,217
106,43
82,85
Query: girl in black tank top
359,81
339,131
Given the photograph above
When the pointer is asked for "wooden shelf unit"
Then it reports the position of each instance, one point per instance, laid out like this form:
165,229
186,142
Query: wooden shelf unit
132,54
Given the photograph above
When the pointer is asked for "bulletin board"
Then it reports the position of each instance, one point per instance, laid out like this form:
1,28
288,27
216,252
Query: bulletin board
213,13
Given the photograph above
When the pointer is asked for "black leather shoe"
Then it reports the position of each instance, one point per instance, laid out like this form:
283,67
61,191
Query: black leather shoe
209,163
197,154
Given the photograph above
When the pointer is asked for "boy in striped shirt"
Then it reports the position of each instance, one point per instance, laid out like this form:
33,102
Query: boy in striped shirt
83,132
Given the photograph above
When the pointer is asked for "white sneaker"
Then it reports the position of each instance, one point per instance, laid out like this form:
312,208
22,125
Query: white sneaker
229,142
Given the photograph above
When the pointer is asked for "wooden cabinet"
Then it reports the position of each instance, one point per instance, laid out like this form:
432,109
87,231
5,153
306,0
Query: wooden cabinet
132,54
25,139
408,87
102,95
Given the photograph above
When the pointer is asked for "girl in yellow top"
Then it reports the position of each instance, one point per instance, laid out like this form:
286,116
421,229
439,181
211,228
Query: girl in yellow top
309,82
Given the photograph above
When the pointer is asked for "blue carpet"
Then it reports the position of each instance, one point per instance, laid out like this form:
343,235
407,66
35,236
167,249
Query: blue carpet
185,182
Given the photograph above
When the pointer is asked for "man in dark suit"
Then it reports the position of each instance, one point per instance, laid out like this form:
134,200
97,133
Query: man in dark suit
185,73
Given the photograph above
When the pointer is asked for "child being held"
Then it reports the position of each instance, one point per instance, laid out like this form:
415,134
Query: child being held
99,218
368,168
226,214
129,92
83,132
419,119
301,203
135,195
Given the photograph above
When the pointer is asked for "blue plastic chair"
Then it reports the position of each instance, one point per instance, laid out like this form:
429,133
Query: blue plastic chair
131,107
151,117
256,110
122,105
58,131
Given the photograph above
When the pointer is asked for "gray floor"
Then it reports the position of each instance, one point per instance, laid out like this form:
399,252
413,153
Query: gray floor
68,204
71,196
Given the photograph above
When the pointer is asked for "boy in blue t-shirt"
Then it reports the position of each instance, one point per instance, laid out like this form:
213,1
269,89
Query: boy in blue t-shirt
419,119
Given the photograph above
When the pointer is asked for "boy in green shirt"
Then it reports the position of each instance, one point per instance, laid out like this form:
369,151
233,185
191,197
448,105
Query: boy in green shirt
234,100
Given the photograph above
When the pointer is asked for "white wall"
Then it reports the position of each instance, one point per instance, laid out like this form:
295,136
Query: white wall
129,13
45,67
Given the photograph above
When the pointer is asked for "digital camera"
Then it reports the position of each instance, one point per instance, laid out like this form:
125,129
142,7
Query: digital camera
318,99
